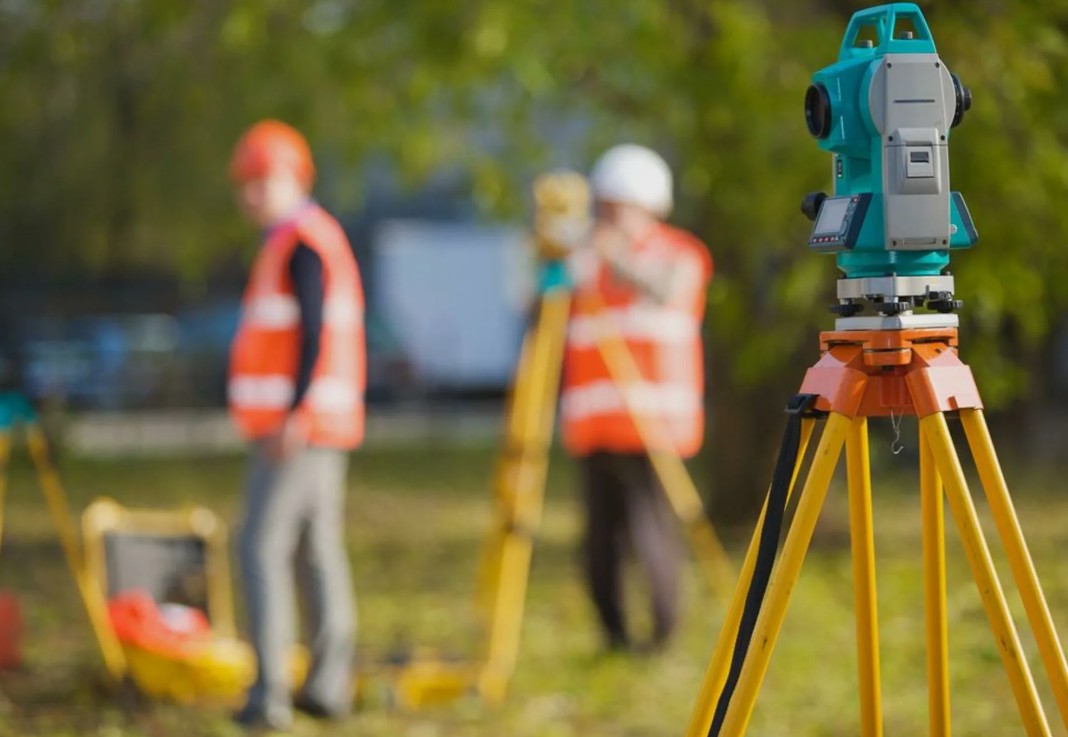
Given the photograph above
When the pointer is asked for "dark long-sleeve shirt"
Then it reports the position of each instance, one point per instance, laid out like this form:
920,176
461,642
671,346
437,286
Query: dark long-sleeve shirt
306,273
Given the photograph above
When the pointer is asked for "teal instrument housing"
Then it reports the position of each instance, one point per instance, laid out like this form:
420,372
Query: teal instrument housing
839,108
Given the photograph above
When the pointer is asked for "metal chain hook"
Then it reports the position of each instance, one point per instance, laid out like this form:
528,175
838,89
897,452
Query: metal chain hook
896,446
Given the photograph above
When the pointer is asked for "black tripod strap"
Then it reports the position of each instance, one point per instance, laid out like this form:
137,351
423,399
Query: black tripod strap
768,547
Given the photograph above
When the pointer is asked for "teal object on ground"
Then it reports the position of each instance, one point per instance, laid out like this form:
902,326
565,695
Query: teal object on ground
853,137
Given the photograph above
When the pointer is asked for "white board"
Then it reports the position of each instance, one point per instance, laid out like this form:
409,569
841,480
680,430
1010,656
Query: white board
456,296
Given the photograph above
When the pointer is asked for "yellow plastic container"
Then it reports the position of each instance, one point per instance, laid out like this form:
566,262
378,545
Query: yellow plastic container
219,671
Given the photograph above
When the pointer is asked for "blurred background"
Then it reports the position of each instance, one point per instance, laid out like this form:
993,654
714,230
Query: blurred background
122,255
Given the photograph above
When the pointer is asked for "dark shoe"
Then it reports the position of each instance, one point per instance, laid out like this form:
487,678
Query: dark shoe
258,719
317,710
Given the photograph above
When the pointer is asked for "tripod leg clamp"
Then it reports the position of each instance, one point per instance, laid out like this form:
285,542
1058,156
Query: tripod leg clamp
803,405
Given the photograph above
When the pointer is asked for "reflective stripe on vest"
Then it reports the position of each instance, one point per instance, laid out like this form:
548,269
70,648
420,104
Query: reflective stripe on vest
276,391
282,311
636,321
605,398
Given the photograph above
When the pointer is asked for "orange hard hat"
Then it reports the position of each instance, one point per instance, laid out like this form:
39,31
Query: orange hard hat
270,145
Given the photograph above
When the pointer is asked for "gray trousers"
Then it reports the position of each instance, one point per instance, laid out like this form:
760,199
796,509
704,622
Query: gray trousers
294,529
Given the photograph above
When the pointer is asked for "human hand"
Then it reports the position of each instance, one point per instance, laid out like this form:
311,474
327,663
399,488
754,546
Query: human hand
290,439
610,241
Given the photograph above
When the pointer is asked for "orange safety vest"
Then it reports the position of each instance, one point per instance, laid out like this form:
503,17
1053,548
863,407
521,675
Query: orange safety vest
665,341
265,354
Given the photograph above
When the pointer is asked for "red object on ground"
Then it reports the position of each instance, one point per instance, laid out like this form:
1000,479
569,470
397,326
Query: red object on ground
10,631
139,621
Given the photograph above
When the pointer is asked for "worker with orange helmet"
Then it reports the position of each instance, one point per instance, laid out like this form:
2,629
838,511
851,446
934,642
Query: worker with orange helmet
646,281
296,387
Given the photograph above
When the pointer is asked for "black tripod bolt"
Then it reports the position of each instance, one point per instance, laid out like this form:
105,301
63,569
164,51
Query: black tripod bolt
846,309
945,306
892,308
943,302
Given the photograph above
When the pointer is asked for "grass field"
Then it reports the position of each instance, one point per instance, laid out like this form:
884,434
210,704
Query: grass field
415,520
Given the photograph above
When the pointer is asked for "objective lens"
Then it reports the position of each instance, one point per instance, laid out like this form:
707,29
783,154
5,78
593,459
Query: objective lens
818,111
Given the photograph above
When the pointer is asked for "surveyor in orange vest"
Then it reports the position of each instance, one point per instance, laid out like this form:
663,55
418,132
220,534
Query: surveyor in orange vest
296,387
645,281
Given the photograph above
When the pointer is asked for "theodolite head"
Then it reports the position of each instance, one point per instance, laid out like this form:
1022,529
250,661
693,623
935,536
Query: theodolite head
562,222
561,213
885,110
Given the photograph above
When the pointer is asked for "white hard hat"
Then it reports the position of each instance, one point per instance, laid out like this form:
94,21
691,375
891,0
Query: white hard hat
635,175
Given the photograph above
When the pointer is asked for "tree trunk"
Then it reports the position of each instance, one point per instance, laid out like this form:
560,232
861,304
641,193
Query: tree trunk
745,428
743,440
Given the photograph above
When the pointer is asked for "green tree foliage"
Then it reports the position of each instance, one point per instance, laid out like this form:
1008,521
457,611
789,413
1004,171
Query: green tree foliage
116,118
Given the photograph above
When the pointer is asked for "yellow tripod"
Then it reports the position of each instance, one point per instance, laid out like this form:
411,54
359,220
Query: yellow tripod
523,466
521,472
15,411
865,374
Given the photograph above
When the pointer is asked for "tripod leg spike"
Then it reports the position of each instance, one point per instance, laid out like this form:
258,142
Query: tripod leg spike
1023,568
716,674
935,431
932,503
787,570
864,591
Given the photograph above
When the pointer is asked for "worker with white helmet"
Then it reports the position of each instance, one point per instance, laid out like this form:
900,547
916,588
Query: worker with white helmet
646,281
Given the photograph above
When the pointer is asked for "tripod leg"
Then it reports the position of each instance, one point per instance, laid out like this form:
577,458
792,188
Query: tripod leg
686,502
1023,569
934,590
716,673
92,597
935,431
773,611
5,456
863,547
522,483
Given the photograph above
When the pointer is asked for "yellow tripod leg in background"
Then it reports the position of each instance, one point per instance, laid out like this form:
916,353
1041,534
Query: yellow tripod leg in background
95,607
1023,568
935,431
679,488
719,664
520,488
503,494
5,457
92,598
